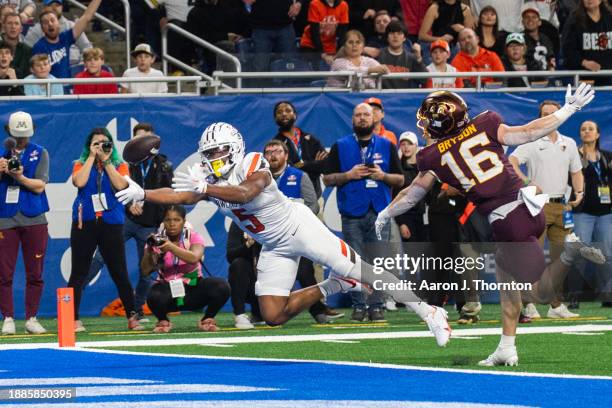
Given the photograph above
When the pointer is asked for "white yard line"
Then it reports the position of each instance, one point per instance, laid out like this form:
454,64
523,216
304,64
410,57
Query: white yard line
310,337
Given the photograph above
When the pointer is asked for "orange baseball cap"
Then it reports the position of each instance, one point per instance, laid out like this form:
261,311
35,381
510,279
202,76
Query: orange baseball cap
439,44
374,101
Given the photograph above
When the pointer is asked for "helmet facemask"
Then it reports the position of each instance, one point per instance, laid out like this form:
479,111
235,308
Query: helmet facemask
217,159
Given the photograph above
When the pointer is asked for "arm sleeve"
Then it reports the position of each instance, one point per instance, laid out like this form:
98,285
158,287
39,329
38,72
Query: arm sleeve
34,34
83,42
42,169
308,194
332,162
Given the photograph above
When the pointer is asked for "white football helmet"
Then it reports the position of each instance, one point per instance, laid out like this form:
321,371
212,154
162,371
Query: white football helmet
216,137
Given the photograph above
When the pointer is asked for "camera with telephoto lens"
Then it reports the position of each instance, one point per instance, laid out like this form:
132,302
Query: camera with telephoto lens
107,147
13,163
156,240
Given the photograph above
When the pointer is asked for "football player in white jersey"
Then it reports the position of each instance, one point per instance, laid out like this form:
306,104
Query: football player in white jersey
243,188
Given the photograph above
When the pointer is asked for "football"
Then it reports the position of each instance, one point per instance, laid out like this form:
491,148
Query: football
141,148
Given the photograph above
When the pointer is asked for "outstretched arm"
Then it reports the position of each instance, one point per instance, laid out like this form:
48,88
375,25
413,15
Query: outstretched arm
81,23
405,200
244,192
516,135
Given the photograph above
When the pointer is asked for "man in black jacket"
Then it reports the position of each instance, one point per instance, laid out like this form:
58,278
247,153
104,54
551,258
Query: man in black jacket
142,219
305,150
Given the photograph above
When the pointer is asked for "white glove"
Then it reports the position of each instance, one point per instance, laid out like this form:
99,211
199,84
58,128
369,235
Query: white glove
582,97
193,181
381,221
133,192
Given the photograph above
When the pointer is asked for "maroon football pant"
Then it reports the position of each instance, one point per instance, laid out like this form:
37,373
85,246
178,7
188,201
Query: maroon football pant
33,240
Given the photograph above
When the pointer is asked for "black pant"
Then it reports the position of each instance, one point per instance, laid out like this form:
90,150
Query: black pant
242,279
212,292
109,238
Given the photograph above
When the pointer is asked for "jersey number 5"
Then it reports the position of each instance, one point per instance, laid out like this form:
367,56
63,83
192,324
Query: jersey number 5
474,162
255,227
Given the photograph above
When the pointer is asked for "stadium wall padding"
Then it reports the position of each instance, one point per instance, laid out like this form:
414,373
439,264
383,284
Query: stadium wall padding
63,125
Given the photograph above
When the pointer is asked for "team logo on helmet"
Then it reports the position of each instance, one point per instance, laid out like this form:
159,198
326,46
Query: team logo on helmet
442,114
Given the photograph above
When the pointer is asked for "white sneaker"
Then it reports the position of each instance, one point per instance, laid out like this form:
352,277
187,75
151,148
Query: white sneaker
531,311
390,305
8,327
243,322
574,246
560,312
78,327
502,356
33,327
437,321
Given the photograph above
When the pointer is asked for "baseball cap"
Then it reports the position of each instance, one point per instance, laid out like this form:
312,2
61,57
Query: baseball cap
439,44
515,38
20,125
530,7
142,48
47,2
409,136
374,101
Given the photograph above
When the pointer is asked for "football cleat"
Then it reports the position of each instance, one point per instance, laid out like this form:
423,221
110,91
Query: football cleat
506,356
437,321
574,246
560,312
531,311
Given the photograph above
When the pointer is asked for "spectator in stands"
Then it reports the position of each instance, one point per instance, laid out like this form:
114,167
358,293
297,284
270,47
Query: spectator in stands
587,37
305,150
440,52
41,68
56,43
397,59
36,32
414,12
491,37
327,24
473,58
539,47
364,168
410,223
515,60
350,58
444,20
176,12
508,13
376,41
144,56
593,217
378,113
7,72
141,219
292,183
177,255
23,204
242,254
97,220
272,29
94,60
25,9
222,24
362,13
550,162
11,35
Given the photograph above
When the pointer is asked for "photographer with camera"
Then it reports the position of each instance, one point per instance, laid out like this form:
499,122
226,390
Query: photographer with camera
97,220
175,252
24,172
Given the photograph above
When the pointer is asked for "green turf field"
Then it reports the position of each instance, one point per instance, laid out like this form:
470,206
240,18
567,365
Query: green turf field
587,352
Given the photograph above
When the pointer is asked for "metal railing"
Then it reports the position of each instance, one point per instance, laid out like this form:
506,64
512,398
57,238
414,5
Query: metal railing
354,81
114,80
125,30
166,58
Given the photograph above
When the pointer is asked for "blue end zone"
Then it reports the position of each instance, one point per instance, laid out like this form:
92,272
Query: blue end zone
289,381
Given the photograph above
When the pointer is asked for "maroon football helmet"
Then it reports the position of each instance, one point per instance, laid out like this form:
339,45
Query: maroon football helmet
442,114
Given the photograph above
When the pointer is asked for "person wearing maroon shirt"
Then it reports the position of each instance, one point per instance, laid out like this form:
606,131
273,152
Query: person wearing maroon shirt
468,155
94,59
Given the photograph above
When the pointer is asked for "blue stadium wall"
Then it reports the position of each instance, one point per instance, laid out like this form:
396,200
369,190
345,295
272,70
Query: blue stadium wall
62,126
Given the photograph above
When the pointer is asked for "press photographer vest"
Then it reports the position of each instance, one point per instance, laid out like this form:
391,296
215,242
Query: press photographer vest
290,182
354,198
30,204
113,214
